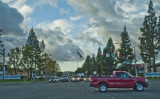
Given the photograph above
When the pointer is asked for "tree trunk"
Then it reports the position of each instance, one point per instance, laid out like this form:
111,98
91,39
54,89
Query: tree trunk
154,67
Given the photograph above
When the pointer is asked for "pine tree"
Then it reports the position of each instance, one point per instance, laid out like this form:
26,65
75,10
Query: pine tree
109,57
42,46
39,56
148,42
27,58
93,60
158,34
125,51
87,65
37,49
99,61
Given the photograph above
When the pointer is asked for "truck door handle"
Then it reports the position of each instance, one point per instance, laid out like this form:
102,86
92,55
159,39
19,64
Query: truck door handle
121,79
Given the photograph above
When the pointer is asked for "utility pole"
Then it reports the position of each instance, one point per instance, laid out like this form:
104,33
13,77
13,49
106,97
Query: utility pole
135,60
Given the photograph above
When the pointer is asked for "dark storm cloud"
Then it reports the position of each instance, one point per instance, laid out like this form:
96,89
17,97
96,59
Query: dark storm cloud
12,42
62,48
10,20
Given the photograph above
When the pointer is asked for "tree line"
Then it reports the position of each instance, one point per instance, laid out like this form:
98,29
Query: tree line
108,60
31,58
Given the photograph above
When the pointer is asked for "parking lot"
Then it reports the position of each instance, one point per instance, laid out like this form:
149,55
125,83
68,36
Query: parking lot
73,90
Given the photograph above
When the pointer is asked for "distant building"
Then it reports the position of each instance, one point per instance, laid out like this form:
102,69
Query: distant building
158,66
68,73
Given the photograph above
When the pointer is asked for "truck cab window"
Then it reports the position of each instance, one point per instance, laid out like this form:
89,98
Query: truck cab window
122,75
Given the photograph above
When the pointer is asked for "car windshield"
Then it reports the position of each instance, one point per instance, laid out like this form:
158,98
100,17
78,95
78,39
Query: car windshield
130,75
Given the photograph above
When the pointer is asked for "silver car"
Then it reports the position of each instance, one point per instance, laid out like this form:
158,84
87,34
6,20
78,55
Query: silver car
86,79
51,80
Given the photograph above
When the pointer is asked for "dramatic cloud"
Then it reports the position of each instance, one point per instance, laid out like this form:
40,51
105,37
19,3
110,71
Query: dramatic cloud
10,20
110,16
58,45
65,25
12,42
88,38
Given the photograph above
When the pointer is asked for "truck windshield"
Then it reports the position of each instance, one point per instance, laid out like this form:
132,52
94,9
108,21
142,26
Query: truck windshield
123,75
130,75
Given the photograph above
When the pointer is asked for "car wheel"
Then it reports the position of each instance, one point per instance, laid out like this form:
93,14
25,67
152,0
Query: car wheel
102,87
139,87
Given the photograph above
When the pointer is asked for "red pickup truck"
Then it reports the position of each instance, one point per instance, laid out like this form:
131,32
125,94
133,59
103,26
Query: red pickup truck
120,79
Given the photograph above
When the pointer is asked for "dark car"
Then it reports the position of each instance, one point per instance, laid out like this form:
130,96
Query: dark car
64,79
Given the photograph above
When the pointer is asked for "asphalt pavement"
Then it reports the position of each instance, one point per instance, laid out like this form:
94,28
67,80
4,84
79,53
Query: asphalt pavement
73,90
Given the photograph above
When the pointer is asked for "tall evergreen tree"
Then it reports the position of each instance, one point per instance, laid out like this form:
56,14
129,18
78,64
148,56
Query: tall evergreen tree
39,60
27,58
109,58
99,61
94,64
158,34
33,42
125,51
148,42
87,65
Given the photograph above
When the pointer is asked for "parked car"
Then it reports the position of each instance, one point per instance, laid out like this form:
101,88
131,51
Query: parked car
75,78
86,79
56,79
51,80
64,79
120,79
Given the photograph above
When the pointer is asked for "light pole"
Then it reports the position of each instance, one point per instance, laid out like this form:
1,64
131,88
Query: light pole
135,60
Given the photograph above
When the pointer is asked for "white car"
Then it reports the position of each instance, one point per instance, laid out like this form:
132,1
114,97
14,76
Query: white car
86,79
51,80
56,79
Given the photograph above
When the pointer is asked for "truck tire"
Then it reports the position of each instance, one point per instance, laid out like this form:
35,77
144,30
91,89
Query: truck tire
102,87
139,87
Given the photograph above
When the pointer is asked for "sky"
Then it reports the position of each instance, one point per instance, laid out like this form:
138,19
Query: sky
70,25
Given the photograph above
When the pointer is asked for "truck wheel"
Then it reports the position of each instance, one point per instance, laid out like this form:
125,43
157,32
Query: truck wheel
139,87
102,87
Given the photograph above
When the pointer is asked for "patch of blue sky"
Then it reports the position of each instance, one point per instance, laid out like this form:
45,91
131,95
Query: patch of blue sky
49,13
46,13
62,4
